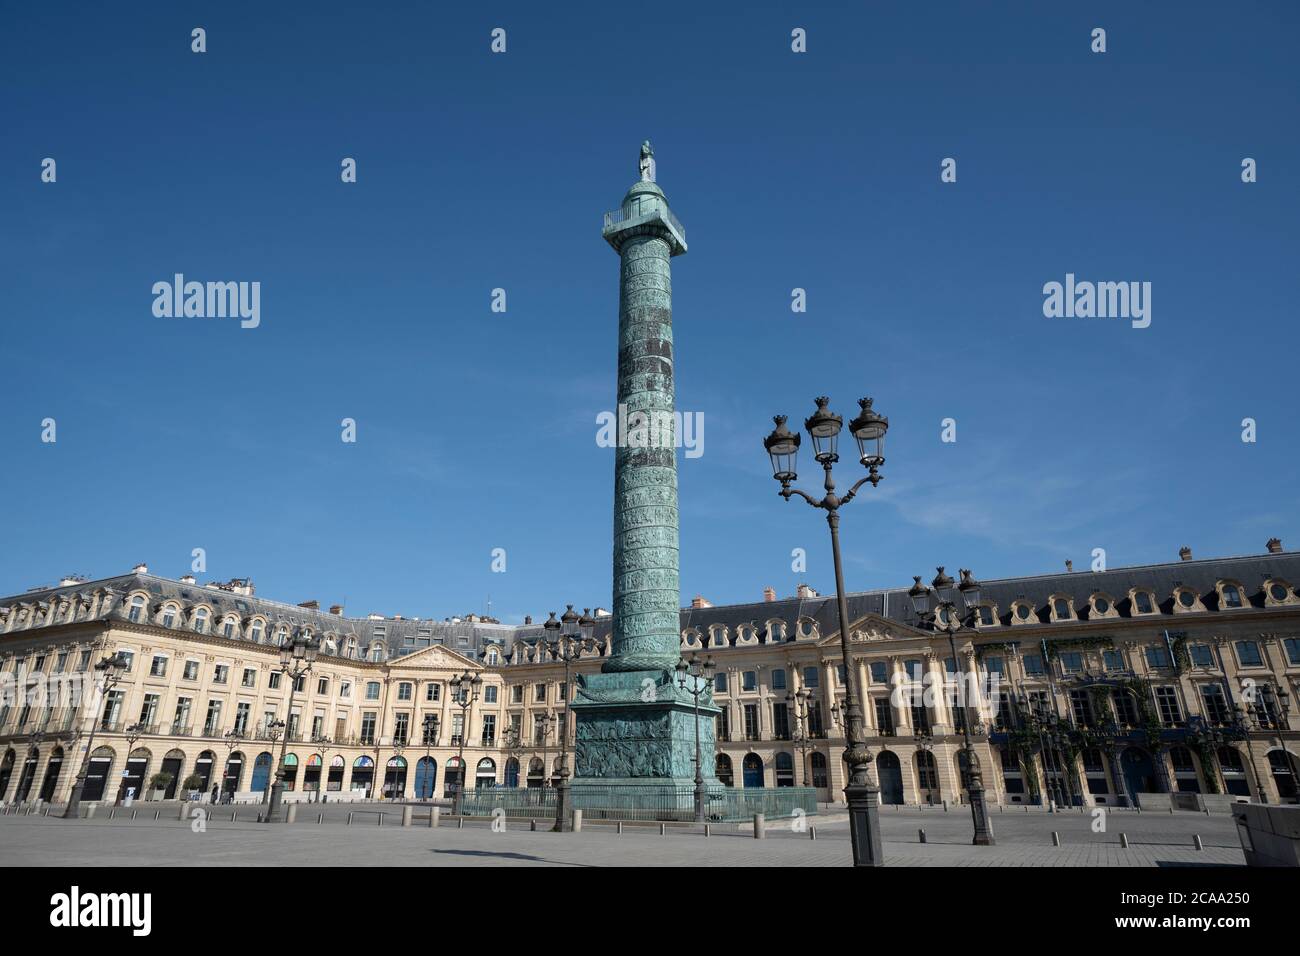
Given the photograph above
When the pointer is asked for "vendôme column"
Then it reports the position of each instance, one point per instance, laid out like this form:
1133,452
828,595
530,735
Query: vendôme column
634,724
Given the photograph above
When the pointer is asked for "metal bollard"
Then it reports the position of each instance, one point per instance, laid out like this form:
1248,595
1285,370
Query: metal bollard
1196,839
181,815
320,818
618,828
532,826
760,831
155,815
708,829
812,833
380,822
133,812
663,829
434,813
112,814
1123,841
406,815
460,823
290,815
234,813
1056,838
350,812
90,810
920,835
577,821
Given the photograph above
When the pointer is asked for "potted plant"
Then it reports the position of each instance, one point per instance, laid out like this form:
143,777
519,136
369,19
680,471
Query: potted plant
158,785
193,784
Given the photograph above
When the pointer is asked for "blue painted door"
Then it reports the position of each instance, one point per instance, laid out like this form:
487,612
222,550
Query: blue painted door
261,773
753,770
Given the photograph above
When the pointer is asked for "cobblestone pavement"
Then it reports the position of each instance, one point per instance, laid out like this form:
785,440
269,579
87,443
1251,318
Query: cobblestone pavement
1024,840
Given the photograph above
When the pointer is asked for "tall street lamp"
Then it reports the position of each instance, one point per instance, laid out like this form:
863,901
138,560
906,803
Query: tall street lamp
112,668
430,725
939,608
464,691
566,640
696,678
868,429
296,658
802,738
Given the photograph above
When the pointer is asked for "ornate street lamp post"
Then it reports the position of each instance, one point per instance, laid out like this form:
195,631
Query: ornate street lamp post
430,723
272,733
112,668
868,429
566,640
696,678
296,658
802,738
939,608
464,689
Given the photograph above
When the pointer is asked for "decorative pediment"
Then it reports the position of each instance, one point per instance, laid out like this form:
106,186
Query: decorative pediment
871,628
435,656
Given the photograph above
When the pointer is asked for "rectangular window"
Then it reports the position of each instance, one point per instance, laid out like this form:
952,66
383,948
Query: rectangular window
212,723
298,683
191,670
1248,654
539,693
720,683
404,691
368,727
780,722
1215,704
1112,660
516,694
273,680
323,686
1071,662
879,672
811,677
723,729
220,673
159,666
1202,655
249,678
112,710
372,690
1126,710
1034,664
1167,702
913,668
318,727
749,680
751,721
815,728
884,717
429,730
490,729
345,688
457,728
1081,707
1292,645
490,694
149,710
181,719
1157,656
994,665
778,678
401,728
241,717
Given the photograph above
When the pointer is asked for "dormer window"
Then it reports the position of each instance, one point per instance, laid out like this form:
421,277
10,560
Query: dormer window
228,627
255,634
1143,603
1023,612
137,609
1061,610
984,614
201,620
169,616
1187,599
1277,592
1231,595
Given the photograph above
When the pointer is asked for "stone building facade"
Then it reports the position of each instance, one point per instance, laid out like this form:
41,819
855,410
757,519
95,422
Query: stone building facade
1094,687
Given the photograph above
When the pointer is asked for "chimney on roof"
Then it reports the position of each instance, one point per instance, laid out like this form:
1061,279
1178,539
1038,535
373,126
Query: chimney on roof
1185,553
699,601
528,619
336,609
1069,565
1274,545
804,591
769,594
312,605
140,568
187,579
70,579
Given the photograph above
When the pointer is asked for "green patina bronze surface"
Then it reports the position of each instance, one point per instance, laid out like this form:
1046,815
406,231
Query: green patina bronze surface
634,723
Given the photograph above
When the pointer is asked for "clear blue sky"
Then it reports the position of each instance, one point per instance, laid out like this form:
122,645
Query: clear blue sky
477,430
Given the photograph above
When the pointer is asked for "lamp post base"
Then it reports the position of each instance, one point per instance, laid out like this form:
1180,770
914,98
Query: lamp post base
980,815
73,809
864,824
563,819
273,809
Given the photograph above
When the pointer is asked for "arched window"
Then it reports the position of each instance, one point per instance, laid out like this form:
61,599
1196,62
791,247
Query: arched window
492,657
723,770
485,775
169,616
1231,595
818,761
1062,608
228,627
201,620
137,609
1143,603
